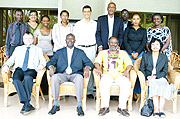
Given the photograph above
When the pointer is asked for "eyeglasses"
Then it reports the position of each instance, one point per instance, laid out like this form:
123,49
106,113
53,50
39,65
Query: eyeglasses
112,7
113,43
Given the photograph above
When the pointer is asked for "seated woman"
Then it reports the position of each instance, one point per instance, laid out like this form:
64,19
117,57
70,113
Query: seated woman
160,32
154,65
33,21
43,37
134,43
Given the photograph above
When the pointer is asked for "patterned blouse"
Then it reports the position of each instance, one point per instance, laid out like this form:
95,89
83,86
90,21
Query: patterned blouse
162,34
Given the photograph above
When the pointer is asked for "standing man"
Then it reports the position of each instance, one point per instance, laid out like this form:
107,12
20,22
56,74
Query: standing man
15,33
60,30
125,16
126,22
108,26
69,62
84,31
116,68
27,60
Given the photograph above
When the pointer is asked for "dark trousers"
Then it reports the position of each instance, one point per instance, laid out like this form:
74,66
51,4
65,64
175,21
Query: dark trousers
11,50
23,82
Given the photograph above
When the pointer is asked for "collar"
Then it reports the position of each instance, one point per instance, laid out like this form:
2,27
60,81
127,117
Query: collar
65,26
68,49
83,20
110,17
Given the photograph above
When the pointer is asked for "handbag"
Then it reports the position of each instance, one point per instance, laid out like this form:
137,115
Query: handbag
148,108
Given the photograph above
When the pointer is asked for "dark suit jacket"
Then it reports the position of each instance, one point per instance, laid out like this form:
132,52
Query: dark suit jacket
78,61
147,65
102,32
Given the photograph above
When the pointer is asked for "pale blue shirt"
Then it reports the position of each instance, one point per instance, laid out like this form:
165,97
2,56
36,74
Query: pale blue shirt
125,25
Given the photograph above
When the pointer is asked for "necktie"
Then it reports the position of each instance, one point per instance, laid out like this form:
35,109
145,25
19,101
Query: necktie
25,63
17,34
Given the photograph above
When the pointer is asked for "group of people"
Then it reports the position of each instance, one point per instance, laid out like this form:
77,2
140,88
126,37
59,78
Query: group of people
116,41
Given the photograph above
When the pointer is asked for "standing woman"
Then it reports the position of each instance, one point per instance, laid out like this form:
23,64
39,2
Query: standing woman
135,38
43,37
160,32
33,21
134,43
154,66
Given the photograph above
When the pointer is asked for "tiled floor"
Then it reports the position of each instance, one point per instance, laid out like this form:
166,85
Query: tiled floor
68,110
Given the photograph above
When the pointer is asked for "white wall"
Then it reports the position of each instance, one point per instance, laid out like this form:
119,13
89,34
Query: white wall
29,3
75,7
162,6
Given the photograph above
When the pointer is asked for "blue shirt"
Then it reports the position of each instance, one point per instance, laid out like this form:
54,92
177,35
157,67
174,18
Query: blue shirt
10,38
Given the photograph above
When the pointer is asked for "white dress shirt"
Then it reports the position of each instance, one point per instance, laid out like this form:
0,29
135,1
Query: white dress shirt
110,24
69,56
36,57
59,35
85,32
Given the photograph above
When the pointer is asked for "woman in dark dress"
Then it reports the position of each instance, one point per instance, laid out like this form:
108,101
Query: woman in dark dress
134,43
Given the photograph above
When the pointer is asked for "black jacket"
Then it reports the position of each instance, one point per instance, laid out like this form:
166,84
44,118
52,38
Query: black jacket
146,65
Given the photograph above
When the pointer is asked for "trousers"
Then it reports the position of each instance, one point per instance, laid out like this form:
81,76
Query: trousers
105,85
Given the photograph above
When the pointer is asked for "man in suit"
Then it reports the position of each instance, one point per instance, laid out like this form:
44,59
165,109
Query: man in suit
27,60
15,33
69,63
108,26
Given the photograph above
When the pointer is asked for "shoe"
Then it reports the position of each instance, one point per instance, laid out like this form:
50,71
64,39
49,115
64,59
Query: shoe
12,94
162,115
54,110
114,98
28,109
103,111
80,111
22,110
90,96
124,112
156,115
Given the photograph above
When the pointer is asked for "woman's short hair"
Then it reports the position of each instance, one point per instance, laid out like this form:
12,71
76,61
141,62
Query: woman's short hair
45,16
159,15
33,11
153,40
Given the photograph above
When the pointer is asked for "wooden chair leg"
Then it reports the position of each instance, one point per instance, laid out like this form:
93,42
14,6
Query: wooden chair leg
41,93
138,98
175,102
37,97
5,95
98,99
130,100
50,98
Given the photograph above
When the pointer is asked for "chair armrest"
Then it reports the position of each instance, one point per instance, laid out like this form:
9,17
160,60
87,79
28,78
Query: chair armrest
133,76
6,76
142,80
173,77
48,78
96,78
39,76
86,80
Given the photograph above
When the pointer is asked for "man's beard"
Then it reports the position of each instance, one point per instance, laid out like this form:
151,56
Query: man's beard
113,49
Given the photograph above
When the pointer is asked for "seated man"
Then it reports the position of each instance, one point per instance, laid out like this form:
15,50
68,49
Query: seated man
116,68
69,63
27,60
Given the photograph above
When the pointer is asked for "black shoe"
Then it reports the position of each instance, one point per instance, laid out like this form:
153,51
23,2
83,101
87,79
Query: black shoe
114,98
13,94
90,96
22,110
28,109
80,111
54,109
